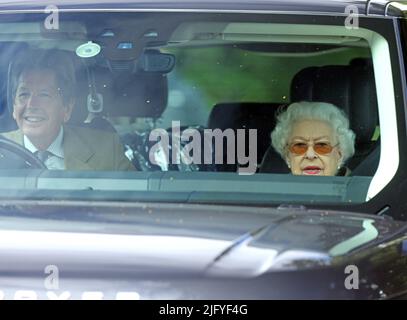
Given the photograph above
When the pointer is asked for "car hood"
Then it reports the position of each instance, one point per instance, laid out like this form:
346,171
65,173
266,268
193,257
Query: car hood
228,241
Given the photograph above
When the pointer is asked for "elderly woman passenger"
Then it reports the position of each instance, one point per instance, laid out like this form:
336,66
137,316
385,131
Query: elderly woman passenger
313,138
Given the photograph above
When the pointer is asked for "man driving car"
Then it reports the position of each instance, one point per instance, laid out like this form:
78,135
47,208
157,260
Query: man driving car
42,85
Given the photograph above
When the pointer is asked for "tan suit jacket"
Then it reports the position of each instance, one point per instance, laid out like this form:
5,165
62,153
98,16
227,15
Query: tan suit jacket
87,149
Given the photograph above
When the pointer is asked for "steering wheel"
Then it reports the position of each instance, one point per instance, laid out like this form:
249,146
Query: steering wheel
15,156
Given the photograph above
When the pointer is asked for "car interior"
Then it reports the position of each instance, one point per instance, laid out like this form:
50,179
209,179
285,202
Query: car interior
145,79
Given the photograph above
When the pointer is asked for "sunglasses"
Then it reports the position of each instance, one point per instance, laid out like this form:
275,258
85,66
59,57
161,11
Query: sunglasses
300,148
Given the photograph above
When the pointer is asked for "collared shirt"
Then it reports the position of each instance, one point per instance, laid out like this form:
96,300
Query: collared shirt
56,159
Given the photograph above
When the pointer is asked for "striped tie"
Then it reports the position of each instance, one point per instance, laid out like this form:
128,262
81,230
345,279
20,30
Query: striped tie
42,155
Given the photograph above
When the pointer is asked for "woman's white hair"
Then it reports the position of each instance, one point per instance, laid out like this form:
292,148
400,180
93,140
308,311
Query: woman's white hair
314,111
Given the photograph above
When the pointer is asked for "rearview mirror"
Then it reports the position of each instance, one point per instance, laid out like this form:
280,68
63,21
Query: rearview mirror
156,61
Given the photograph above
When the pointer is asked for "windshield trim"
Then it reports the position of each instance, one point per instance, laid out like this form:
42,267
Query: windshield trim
169,10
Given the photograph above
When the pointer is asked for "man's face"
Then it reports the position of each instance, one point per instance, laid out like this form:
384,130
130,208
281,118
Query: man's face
38,107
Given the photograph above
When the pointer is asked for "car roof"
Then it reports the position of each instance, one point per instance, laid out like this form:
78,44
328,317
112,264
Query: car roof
364,7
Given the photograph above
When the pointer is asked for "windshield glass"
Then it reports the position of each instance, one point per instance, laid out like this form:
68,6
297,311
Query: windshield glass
182,107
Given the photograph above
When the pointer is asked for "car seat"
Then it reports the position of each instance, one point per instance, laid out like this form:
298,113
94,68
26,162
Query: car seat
244,115
349,87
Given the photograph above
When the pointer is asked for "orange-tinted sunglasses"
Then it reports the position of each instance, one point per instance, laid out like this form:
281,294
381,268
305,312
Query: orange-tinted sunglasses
300,148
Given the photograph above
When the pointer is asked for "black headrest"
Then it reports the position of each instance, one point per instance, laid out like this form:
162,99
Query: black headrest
142,95
7,123
139,95
351,88
246,115
237,115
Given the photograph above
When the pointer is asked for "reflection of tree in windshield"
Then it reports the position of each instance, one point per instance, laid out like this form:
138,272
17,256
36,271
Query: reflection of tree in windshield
186,103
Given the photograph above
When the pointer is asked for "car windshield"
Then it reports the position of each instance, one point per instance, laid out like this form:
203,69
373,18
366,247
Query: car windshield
202,107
